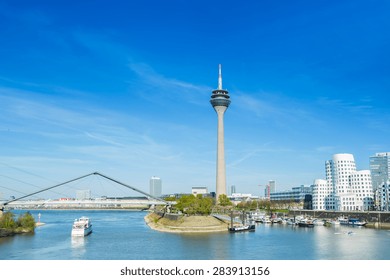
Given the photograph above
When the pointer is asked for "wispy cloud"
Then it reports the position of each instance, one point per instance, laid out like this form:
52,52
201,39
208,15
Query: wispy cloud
157,86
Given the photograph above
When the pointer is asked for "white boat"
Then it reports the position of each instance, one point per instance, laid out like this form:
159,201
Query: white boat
343,220
81,227
290,221
256,216
266,220
318,222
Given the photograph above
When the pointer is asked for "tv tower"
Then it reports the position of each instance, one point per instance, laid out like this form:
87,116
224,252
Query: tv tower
220,100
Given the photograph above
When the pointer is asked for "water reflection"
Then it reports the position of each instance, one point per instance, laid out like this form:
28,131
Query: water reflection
78,242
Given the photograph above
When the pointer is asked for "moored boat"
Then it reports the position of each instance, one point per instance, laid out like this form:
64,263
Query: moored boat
351,221
343,220
306,223
242,228
81,227
356,222
266,220
318,222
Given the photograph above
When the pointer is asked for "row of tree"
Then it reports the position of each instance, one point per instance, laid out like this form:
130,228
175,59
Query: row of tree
199,205
23,223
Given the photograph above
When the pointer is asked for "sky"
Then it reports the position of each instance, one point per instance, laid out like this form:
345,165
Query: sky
123,88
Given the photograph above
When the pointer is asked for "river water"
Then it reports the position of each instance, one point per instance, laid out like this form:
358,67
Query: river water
123,235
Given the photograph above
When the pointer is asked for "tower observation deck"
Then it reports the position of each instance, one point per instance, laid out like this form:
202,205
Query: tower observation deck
220,100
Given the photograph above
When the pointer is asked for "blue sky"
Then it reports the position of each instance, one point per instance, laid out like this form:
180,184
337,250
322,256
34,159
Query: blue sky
123,88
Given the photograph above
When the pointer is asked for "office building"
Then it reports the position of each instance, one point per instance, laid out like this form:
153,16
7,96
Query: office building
379,167
155,186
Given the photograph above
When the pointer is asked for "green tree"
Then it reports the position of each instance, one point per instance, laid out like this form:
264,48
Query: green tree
195,205
7,221
223,200
26,221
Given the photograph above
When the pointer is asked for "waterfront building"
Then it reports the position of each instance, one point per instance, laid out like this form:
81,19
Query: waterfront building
83,194
321,195
345,188
220,100
155,186
379,167
296,194
361,186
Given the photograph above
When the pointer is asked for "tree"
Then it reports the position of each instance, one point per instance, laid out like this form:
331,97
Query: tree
26,221
195,205
7,221
223,200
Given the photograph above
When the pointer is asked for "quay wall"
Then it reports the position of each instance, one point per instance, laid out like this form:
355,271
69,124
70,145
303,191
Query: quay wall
375,219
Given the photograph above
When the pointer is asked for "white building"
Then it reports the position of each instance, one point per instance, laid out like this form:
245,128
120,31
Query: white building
155,186
345,188
199,190
237,197
321,194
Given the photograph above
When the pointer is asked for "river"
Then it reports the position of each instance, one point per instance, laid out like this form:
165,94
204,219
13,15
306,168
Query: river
123,235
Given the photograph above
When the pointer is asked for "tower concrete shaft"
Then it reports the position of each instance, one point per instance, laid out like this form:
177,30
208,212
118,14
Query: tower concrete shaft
220,100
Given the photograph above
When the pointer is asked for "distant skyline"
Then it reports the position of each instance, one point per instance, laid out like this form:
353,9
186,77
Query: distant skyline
123,88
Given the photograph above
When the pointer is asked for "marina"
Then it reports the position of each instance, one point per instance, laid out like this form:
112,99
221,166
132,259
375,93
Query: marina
124,235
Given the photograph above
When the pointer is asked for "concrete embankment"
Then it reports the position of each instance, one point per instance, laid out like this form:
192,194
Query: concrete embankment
185,224
374,219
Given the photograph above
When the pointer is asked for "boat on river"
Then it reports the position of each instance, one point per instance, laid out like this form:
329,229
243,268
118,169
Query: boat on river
351,221
306,223
239,228
82,227
356,222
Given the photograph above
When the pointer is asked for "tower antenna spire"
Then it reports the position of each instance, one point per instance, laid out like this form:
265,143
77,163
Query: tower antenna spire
219,76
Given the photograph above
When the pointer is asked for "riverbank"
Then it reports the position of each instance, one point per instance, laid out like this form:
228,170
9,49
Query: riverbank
186,224
9,232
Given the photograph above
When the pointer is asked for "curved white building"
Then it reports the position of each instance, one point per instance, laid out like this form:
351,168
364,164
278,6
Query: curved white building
345,188
320,193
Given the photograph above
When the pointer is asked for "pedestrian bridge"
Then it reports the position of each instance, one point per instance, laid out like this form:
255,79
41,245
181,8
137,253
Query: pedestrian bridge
99,203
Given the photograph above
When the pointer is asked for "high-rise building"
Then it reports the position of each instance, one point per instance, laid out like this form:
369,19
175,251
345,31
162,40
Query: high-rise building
155,186
232,189
345,188
383,197
379,166
220,100
272,186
